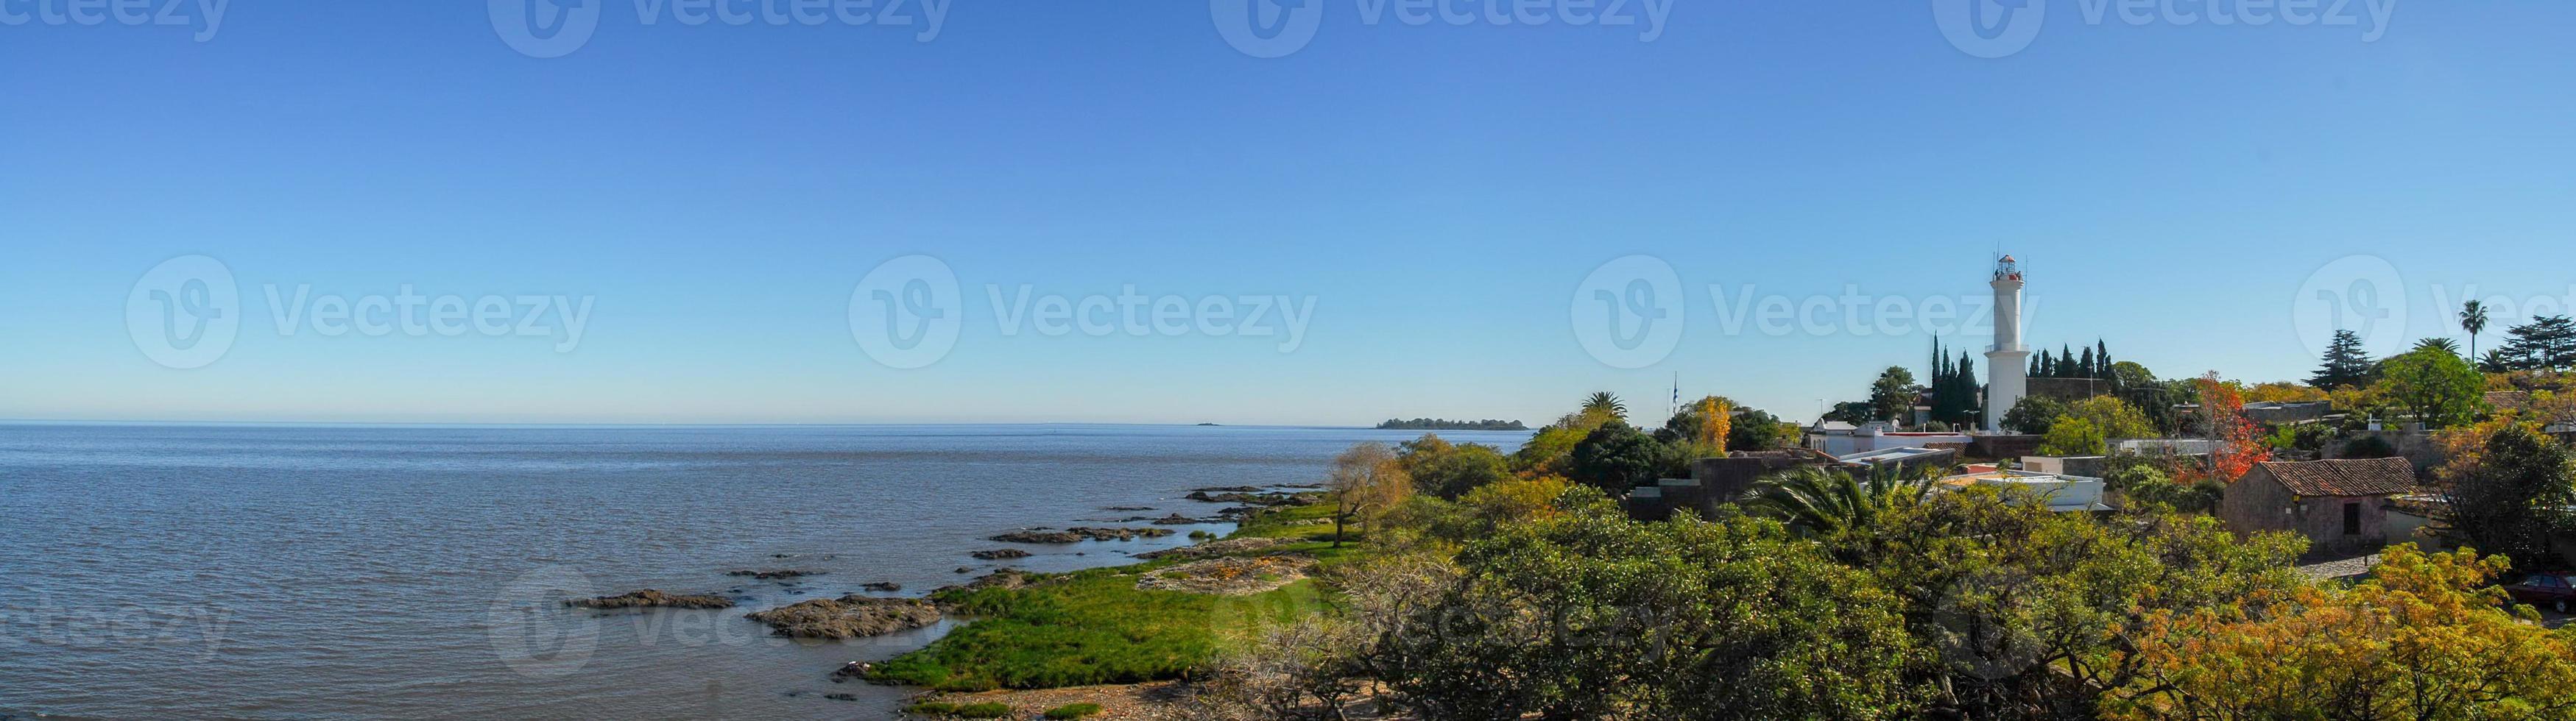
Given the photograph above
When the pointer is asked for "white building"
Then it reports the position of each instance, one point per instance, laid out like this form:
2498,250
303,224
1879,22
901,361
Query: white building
2008,364
2063,494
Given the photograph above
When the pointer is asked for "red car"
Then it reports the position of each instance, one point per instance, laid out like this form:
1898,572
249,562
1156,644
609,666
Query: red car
2554,591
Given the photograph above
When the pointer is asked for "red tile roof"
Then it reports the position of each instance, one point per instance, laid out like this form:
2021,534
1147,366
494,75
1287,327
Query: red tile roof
2370,477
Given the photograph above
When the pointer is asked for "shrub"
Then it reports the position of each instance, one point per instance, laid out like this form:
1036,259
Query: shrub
1072,711
931,708
2369,447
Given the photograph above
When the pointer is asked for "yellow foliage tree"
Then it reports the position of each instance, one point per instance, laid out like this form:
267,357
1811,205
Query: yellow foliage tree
2427,638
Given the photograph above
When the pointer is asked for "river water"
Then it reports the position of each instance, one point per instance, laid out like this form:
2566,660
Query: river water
287,571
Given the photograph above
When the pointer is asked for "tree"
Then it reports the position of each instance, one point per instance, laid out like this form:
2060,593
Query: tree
2445,345
2222,419
2073,436
1591,615
2283,392
2034,414
1815,500
1892,396
1606,405
2547,343
2112,417
1365,480
2473,318
1616,457
1757,430
2129,375
1448,471
2498,361
2346,364
2514,496
2425,637
2434,385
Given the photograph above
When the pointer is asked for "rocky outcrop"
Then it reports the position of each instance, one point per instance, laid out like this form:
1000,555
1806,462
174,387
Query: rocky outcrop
1004,554
1077,535
1230,575
882,587
1178,520
847,617
1270,500
651,599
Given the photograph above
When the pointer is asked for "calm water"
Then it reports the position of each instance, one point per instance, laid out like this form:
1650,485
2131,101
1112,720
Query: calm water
334,571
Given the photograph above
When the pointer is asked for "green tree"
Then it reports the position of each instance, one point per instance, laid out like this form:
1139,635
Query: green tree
2073,436
1605,404
1815,500
1616,457
2034,414
2546,343
2445,345
2113,417
2473,318
1365,481
1891,397
2435,385
2346,365
2514,496
1448,471
1592,615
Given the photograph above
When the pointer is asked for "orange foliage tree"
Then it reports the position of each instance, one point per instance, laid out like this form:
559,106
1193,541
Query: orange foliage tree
2240,444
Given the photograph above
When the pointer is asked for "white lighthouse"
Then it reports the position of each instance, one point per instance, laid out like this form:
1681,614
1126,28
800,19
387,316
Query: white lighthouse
2008,364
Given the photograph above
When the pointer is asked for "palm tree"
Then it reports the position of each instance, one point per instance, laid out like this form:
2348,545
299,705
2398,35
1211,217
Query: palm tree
2473,318
2446,345
2496,361
1605,404
1820,501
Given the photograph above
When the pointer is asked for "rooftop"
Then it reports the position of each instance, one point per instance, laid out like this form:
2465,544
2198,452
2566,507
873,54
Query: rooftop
2349,477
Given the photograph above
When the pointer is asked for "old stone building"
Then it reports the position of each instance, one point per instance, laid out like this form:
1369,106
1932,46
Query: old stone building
2340,505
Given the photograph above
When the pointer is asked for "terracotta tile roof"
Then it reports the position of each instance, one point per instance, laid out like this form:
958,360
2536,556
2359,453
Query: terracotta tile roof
2371,477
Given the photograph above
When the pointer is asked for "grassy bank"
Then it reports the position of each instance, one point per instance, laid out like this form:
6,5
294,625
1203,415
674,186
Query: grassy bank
1095,627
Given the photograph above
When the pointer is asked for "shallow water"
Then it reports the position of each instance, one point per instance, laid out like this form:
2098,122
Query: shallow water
334,571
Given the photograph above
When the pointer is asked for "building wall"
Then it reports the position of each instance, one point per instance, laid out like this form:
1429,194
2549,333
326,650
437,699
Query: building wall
2417,446
2255,504
2068,390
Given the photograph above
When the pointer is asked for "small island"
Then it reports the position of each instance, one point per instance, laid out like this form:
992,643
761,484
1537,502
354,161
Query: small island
1442,424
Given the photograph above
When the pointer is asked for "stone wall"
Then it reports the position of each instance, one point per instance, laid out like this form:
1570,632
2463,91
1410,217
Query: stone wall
2417,446
2068,390
2003,447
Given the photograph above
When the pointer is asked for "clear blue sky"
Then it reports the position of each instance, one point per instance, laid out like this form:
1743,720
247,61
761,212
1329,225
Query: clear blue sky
1441,191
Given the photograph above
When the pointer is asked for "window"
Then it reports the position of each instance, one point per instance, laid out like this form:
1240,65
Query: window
2352,519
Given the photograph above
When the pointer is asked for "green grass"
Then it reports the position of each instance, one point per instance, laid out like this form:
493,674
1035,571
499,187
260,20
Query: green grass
1094,627
983,710
1071,711
940,709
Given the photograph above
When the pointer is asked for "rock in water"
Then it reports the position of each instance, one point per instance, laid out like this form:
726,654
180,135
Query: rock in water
1077,535
774,575
651,599
847,617
999,555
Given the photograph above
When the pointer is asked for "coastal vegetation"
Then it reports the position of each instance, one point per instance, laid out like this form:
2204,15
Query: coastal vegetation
1444,580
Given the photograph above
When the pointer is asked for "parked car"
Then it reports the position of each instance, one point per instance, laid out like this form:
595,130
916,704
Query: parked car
2554,591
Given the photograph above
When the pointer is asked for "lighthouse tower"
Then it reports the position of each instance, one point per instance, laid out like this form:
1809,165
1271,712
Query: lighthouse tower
2008,363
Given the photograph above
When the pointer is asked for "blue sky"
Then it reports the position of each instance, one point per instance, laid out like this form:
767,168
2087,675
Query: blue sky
1440,192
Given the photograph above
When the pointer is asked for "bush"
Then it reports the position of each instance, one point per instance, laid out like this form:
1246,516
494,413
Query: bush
931,708
2369,447
1073,711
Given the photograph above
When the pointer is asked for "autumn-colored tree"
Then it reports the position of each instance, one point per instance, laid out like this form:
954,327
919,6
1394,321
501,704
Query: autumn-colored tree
1365,480
2426,638
2240,443
1721,421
